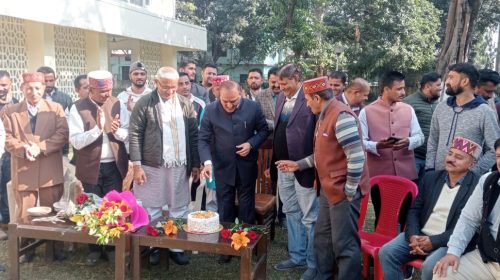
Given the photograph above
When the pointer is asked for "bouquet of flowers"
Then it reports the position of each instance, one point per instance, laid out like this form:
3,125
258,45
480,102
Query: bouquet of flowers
117,213
241,235
169,227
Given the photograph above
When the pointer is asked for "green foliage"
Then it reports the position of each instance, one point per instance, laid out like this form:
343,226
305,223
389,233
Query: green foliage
393,35
231,25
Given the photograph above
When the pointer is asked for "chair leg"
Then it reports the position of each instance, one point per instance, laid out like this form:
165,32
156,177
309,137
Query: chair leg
366,266
378,274
273,229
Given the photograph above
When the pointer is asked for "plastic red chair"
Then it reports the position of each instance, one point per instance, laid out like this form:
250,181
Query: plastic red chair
418,263
393,191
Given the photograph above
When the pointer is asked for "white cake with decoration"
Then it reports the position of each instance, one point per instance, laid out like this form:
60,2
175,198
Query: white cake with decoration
203,222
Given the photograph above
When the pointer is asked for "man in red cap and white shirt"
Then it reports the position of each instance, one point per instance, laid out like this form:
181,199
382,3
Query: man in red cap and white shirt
36,131
341,178
98,127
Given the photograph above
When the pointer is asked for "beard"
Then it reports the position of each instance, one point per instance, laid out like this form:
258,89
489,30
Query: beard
454,92
254,86
139,84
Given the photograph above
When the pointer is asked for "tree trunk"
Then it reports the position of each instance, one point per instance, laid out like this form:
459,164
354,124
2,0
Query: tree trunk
497,66
462,16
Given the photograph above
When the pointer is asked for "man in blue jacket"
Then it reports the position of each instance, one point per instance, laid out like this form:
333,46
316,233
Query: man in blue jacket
293,140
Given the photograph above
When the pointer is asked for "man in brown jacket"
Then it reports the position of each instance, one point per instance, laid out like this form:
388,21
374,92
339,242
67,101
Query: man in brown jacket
36,131
341,178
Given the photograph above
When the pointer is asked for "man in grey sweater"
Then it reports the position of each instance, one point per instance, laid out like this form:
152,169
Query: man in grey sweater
424,101
463,114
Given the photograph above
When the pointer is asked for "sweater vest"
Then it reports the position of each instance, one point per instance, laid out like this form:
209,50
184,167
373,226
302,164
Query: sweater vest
489,248
329,157
88,159
386,121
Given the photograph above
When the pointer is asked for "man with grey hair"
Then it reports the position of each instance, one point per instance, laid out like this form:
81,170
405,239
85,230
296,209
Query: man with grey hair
164,158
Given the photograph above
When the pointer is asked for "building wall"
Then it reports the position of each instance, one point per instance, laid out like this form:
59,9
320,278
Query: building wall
13,55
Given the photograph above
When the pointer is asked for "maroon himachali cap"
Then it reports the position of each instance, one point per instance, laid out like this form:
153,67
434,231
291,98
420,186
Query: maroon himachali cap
316,85
100,79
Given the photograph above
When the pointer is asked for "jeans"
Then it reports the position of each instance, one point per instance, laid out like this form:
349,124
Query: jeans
301,207
420,165
397,252
4,179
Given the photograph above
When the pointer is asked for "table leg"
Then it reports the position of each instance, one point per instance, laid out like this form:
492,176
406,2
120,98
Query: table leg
120,257
136,259
13,252
261,271
246,264
49,250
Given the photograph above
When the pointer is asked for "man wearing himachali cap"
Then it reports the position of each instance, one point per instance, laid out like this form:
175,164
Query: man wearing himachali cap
341,179
36,131
478,222
214,92
98,127
431,219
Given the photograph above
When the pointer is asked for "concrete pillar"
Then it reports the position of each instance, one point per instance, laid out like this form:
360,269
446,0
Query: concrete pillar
168,56
36,44
96,51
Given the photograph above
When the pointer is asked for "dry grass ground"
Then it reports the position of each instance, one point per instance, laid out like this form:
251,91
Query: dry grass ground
202,266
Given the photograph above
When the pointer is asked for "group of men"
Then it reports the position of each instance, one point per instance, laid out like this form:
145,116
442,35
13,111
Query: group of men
326,146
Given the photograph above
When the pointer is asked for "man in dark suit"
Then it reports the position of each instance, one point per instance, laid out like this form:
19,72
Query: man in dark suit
435,212
355,95
237,128
293,140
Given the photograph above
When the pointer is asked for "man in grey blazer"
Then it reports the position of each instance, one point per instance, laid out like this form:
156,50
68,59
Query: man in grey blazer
267,98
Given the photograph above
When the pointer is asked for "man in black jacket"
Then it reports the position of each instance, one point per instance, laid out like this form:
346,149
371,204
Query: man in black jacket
432,217
163,137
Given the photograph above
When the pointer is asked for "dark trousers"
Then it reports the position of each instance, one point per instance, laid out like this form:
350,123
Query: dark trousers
336,239
4,179
226,195
109,179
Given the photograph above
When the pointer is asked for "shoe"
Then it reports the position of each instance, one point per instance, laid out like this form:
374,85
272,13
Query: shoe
287,265
3,236
223,259
27,258
110,256
154,256
309,274
60,256
179,258
93,258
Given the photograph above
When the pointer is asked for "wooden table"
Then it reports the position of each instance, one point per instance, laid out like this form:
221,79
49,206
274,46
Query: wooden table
55,232
210,243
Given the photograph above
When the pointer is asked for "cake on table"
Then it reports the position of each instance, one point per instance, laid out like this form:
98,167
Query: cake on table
203,222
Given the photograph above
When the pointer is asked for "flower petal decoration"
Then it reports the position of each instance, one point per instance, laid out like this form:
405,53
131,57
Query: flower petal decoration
170,228
252,235
239,240
139,217
225,233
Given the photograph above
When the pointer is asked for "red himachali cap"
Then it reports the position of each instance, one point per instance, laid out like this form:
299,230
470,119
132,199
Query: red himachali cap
316,85
100,79
218,80
33,77
467,146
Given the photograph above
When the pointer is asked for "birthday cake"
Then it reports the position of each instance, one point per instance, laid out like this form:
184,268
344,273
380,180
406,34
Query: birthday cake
203,222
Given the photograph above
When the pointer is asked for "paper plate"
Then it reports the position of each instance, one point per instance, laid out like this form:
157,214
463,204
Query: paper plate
60,205
39,211
186,229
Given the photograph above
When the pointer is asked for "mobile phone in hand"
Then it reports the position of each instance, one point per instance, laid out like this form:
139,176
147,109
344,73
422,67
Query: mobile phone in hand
393,139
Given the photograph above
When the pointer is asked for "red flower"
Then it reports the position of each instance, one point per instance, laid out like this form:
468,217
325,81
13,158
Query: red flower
82,198
252,235
150,230
225,233
239,231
